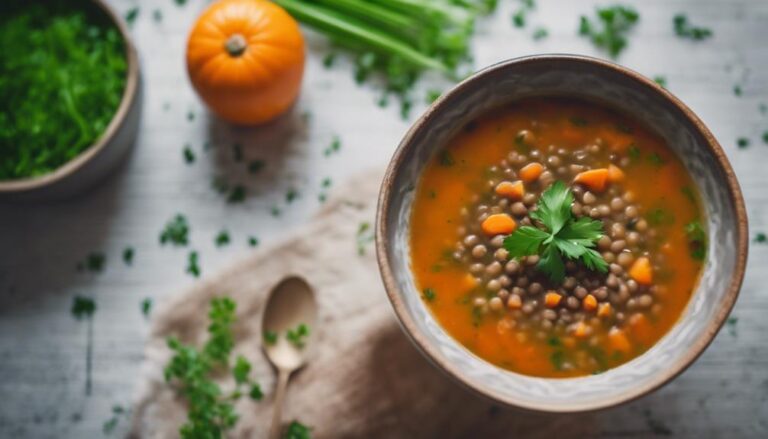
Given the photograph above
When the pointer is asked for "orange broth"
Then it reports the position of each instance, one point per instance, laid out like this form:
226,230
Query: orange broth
663,189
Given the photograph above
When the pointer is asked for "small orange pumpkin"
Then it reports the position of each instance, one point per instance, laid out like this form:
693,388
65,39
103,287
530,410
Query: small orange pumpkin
245,58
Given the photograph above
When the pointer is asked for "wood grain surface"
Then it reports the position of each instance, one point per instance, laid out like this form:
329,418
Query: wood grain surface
42,348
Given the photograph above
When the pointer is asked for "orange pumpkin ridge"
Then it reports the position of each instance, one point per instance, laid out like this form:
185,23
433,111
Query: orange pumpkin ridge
245,59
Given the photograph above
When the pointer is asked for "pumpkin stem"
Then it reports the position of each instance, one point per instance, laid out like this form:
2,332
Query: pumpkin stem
235,45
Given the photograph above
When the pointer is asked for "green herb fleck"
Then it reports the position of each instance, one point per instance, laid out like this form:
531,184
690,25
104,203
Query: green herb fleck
131,15
329,59
176,231
253,241
222,238
656,159
634,152
270,337
94,262
760,238
579,121
128,254
291,195
334,147
742,142
732,329
659,216
429,294
236,194
540,33
326,183
689,194
609,31
765,137
146,306
298,335
180,2
189,155
661,80
255,166
363,237
193,266
557,359
446,159
697,240
190,115
297,430
83,307
432,95
684,29
275,211
518,18
562,236
737,90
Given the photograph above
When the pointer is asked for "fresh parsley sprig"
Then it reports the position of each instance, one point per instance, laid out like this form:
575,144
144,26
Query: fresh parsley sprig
560,236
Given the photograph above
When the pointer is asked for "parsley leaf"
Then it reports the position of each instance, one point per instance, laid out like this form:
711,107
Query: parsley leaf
298,335
297,430
684,29
609,31
563,235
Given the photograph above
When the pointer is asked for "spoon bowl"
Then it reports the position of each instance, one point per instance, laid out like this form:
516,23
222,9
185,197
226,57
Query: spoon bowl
291,310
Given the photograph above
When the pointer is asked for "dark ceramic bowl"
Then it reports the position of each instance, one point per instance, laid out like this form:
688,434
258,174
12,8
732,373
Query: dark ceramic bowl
624,90
100,159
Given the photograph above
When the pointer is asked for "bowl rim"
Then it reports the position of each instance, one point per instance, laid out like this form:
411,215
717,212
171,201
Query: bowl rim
126,103
704,338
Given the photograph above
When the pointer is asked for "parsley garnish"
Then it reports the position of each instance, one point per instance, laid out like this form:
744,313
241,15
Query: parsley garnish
128,254
429,294
146,306
661,80
253,241
609,31
742,142
189,155
363,237
335,146
540,33
298,335
131,15
237,194
211,412
684,29
562,236
760,238
731,322
176,231
446,159
297,430
83,308
222,238
94,262
697,240
270,337
193,266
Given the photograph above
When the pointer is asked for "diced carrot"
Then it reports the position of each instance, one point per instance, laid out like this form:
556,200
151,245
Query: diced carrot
511,190
618,340
615,174
499,224
581,330
641,271
552,299
469,282
531,172
640,327
594,179
590,302
604,310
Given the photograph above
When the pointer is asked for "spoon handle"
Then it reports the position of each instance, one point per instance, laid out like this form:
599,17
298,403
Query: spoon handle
277,411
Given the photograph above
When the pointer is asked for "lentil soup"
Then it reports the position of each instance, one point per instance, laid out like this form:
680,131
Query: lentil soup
556,238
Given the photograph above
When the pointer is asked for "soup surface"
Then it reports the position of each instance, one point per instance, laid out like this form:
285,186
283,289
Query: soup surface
556,238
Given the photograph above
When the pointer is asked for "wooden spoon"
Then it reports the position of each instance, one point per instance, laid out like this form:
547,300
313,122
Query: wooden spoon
291,304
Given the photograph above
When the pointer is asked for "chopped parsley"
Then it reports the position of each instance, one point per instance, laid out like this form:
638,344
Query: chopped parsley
146,306
732,329
329,59
291,195
765,137
298,336
270,337
684,29
563,236
131,15
94,262
190,115
557,359
297,430
363,237
334,147
737,90
83,308
540,33
634,152
609,30
429,294
446,159
697,240
222,238
189,155
661,80
518,18
742,142
236,194
128,254
760,238
210,411
688,192
193,266
255,166
656,159
176,231
253,241
432,95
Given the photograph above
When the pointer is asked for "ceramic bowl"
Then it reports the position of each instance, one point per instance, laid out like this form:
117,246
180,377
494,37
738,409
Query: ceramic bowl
100,159
616,87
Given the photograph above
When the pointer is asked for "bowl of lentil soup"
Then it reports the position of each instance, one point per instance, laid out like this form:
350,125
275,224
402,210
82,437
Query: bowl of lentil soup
561,234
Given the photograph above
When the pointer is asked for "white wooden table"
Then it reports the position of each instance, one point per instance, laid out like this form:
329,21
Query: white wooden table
42,347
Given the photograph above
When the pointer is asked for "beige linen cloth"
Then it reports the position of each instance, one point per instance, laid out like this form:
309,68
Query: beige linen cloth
364,378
